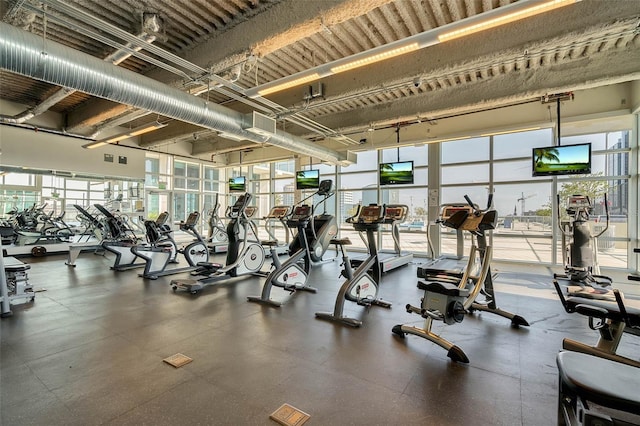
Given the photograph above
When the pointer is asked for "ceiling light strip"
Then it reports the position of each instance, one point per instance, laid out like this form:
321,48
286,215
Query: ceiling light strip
506,14
376,58
535,9
145,128
288,84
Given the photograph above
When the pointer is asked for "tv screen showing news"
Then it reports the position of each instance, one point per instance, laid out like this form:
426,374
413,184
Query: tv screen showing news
238,184
562,160
307,179
399,173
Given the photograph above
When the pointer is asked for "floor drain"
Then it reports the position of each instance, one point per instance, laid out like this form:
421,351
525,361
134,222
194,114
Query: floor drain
288,415
178,360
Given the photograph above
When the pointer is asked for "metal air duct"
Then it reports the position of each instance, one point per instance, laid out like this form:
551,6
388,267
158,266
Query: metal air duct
24,53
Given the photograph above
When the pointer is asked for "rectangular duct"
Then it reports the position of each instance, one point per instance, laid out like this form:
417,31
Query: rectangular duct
261,124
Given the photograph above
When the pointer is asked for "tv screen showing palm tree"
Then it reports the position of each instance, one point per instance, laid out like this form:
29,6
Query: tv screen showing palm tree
307,179
399,173
237,184
562,160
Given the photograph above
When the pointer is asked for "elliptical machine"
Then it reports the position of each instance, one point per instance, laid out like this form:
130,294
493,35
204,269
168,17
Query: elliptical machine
217,235
361,285
448,302
245,255
273,245
320,230
290,275
580,248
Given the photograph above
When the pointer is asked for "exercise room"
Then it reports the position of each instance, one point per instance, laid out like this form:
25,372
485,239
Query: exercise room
320,212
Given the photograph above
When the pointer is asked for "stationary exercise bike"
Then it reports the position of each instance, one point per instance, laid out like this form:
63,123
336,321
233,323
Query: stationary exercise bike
290,275
580,249
245,255
448,302
361,285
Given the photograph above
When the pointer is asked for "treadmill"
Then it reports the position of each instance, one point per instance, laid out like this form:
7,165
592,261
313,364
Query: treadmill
394,215
447,265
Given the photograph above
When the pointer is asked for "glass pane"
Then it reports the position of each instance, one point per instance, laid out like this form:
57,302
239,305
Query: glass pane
193,202
610,164
211,186
475,173
325,169
211,173
283,199
179,183
19,179
193,170
464,151
507,171
284,185
151,180
152,165
359,180
419,155
366,160
521,144
455,194
193,184
284,168
618,140
179,206
180,168
524,231
598,141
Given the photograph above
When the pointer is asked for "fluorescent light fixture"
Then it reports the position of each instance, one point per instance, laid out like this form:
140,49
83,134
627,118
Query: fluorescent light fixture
506,132
287,84
94,145
500,16
145,128
534,9
376,58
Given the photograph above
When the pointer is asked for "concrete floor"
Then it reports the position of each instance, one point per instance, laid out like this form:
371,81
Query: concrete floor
89,351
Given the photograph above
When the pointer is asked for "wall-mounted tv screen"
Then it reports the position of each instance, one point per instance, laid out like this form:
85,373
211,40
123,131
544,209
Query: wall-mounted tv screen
562,160
400,173
307,179
238,184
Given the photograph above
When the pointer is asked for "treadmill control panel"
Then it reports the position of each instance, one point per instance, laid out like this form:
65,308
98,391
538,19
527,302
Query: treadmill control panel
278,212
450,210
371,214
395,213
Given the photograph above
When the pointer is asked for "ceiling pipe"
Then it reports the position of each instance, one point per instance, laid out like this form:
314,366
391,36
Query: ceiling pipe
24,53
150,27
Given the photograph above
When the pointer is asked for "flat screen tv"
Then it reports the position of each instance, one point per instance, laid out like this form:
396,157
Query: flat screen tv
562,160
238,184
399,173
307,179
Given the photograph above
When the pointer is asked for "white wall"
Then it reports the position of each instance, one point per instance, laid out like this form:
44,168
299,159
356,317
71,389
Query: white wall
46,151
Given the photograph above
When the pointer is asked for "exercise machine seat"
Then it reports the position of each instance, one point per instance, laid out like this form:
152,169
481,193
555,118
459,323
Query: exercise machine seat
601,381
446,289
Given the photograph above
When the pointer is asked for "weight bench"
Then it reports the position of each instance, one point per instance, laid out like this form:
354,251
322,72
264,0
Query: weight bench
585,380
610,319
